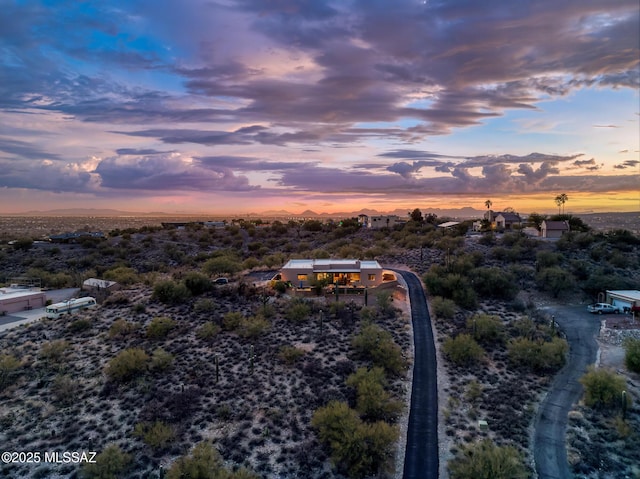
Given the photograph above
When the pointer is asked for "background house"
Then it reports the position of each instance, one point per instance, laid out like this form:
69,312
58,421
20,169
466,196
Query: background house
507,221
553,229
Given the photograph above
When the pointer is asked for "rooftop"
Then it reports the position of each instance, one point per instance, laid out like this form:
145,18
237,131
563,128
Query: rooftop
331,264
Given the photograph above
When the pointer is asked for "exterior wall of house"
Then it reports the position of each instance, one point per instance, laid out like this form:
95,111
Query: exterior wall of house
302,273
21,301
552,230
382,221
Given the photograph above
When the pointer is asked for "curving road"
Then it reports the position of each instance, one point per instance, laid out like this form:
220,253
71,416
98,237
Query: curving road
421,456
549,447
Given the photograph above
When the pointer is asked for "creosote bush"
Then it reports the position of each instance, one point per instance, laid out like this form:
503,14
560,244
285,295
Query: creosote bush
443,308
462,350
538,355
205,463
53,352
170,292
159,327
485,460
208,331
111,463
161,360
290,354
121,328
127,365
157,435
485,328
9,366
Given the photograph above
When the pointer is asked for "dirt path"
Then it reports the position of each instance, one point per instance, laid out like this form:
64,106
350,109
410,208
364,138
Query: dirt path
581,329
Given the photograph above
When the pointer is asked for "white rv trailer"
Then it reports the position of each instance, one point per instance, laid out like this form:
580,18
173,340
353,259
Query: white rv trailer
56,310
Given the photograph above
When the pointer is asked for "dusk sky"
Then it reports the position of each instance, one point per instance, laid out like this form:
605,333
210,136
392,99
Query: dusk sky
237,106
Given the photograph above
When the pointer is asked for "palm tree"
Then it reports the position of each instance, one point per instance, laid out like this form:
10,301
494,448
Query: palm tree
564,198
560,200
488,203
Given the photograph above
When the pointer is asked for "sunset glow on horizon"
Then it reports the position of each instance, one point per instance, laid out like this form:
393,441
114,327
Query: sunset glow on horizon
232,107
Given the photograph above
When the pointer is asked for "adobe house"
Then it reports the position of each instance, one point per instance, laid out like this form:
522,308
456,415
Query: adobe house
553,229
348,272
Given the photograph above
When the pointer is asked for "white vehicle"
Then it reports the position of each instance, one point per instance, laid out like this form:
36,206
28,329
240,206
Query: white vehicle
54,311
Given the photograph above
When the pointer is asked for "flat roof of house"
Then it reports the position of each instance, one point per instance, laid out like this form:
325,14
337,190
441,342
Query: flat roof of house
627,293
345,265
20,294
448,224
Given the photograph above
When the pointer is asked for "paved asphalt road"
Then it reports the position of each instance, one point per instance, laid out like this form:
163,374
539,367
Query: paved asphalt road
421,456
549,449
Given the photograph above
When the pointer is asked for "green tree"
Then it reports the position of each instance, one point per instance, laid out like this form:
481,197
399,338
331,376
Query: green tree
632,354
197,283
416,215
377,345
170,292
221,265
373,402
486,328
111,463
360,449
603,388
485,460
462,350
123,275
556,280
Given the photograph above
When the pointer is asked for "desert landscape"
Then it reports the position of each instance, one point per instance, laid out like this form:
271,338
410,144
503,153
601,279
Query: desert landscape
255,371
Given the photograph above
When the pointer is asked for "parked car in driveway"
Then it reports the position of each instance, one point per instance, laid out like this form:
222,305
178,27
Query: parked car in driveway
602,308
221,281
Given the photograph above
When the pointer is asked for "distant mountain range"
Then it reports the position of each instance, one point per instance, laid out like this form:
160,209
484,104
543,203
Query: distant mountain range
465,212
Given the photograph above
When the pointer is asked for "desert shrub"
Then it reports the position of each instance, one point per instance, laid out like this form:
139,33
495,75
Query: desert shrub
462,350
632,354
232,320
197,283
159,327
440,282
280,287
127,365
443,308
221,265
79,325
205,463
377,345
22,244
170,292
139,308
298,312
494,283
204,305
64,389
122,328
485,460
157,435
373,402
486,328
538,355
253,326
555,280
122,275
208,331
603,388
53,351
546,259
9,366
161,360
358,448
290,354
111,463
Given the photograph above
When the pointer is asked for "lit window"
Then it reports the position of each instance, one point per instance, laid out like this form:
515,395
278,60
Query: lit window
372,277
302,277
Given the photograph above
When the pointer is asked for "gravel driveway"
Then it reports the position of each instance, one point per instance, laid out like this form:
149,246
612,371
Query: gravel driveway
549,448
